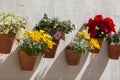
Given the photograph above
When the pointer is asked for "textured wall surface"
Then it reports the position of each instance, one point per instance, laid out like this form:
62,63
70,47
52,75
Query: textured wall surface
79,12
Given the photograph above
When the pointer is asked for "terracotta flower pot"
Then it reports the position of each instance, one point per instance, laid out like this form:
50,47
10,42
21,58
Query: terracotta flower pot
27,62
113,51
96,51
119,50
6,41
50,53
72,56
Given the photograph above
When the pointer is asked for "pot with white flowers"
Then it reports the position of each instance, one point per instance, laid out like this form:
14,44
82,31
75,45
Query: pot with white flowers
113,45
78,46
32,44
10,25
57,29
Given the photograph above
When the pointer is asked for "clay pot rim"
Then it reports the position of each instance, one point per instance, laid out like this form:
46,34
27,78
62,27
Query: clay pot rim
28,55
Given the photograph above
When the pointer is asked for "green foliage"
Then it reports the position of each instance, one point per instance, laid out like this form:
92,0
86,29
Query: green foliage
51,25
79,44
100,34
32,47
115,38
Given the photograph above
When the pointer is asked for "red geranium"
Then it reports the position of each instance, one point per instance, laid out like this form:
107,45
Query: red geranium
99,27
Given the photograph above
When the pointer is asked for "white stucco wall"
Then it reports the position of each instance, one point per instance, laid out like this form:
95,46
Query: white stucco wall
78,11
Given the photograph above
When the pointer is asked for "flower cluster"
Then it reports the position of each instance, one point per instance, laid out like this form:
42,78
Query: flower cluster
91,42
114,38
36,41
83,42
84,34
11,23
57,29
100,27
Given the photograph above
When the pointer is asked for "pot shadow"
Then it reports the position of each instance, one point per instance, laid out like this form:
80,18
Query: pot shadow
10,68
97,65
60,70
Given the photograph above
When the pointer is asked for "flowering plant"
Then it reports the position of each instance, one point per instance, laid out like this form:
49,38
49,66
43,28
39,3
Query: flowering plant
54,27
34,42
100,27
114,38
83,42
11,23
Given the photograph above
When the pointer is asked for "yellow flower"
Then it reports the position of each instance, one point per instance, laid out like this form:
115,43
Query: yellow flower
83,34
40,37
84,31
42,31
47,36
79,34
50,44
86,36
94,43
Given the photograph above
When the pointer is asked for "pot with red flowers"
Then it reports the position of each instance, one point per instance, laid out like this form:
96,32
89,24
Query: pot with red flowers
99,27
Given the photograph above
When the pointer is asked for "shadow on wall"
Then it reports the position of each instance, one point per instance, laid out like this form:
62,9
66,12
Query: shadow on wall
60,70
10,68
97,64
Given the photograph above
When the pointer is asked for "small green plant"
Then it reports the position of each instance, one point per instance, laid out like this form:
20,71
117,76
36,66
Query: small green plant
53,26
78,45
32,47
114,38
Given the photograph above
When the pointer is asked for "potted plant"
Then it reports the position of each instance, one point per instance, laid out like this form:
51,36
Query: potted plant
10,25
81,44
113,45
99,28
31,45
57,29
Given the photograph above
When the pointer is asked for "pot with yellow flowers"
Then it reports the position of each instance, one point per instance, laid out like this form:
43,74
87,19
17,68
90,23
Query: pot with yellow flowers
10,25
32,44
57,29
81,44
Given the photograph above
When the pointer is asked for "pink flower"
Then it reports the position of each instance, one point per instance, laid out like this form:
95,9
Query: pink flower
57,35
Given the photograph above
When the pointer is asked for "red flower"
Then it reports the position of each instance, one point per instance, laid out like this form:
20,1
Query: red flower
102,27
99,25
109,23
98,18
92,32
91,23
